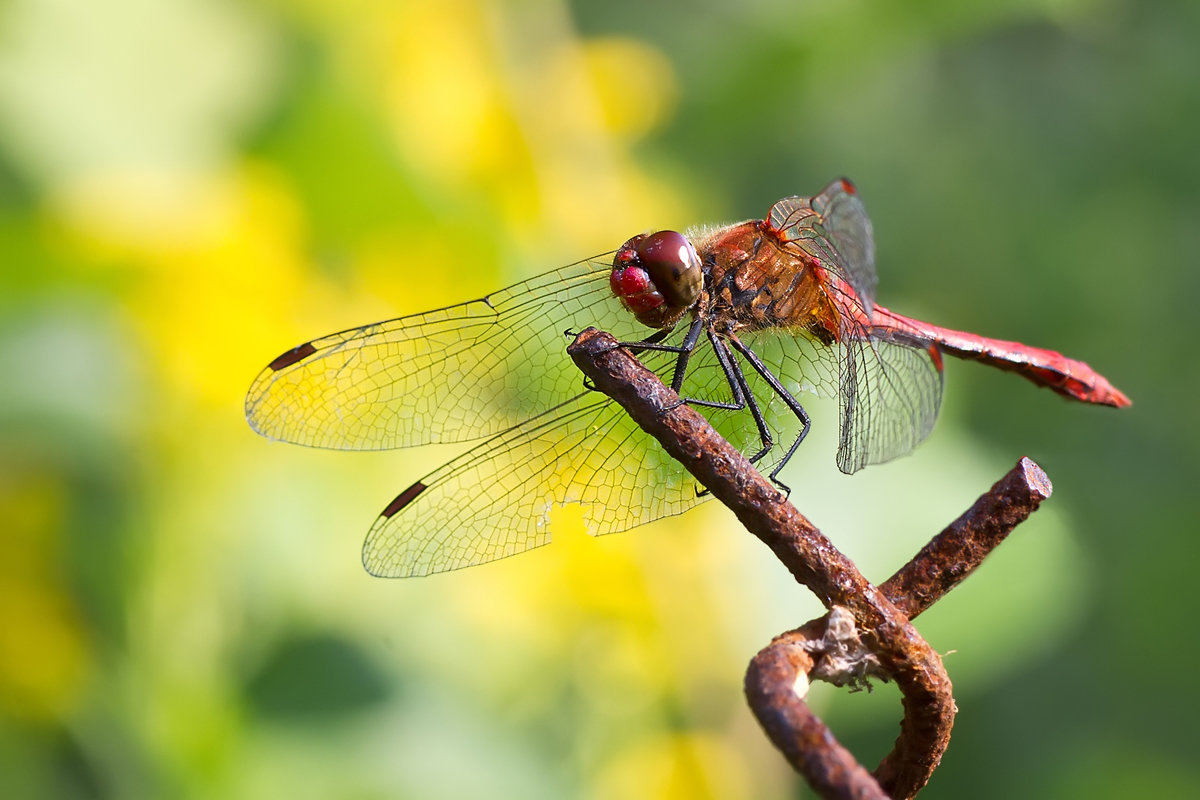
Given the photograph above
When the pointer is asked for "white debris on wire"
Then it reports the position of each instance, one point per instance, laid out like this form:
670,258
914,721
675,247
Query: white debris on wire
840,657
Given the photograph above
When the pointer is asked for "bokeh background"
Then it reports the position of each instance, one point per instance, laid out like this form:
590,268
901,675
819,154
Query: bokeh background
188,187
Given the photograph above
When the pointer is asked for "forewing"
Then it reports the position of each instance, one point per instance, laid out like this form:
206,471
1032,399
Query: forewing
454,374
833,227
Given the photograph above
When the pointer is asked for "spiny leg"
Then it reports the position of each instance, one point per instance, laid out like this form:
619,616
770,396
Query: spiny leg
742,397
791,402
741,389
683,351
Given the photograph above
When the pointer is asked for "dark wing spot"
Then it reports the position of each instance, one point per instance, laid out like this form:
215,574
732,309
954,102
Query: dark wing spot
403,499
292,356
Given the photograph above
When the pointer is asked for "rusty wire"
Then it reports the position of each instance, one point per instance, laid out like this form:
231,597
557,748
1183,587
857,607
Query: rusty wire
867,632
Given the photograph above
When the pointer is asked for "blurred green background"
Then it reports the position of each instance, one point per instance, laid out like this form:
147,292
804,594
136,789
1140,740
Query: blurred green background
188,187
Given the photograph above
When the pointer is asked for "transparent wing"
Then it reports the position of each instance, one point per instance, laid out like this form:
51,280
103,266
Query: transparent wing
833,227
454,374
891,392
495,500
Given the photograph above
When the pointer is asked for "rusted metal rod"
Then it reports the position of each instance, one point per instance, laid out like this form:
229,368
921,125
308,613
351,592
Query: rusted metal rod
813,560
776,684
940,566
954,553
890,647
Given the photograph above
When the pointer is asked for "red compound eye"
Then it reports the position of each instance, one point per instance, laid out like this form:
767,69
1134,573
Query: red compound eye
658,277
673,266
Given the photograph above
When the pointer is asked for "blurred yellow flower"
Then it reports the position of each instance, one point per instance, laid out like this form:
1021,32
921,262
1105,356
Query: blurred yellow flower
687,766
217,261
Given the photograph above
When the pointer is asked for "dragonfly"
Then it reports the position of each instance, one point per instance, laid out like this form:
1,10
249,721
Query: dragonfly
742,320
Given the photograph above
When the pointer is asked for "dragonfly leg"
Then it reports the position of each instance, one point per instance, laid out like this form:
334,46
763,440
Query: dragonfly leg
684,352
791,402
737,384
742,396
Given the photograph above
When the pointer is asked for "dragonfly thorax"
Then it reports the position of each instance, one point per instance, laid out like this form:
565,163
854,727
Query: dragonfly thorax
658,277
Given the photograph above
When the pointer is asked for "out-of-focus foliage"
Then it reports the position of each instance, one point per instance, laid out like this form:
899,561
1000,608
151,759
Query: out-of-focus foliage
189,187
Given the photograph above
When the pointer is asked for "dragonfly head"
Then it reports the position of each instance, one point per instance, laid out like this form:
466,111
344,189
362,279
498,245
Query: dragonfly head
658,277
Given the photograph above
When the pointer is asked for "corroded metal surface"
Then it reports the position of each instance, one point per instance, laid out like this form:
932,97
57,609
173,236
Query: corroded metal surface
777,679
808,554
954,553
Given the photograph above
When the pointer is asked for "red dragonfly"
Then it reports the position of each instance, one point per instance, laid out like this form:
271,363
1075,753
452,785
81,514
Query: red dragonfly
741,320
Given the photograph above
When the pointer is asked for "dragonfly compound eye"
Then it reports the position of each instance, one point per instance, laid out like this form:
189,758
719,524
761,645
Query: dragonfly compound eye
658,277
673,265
